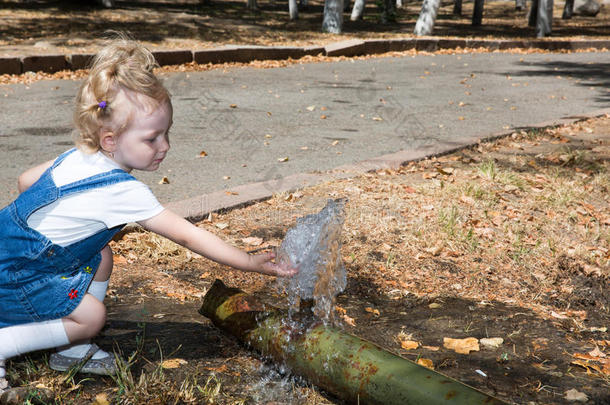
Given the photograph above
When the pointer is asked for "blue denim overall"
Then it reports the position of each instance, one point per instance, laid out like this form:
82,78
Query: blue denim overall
40,280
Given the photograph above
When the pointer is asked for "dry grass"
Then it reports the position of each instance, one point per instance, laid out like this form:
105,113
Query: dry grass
523,220
490,223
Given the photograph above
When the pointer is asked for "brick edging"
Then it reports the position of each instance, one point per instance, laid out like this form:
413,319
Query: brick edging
244,54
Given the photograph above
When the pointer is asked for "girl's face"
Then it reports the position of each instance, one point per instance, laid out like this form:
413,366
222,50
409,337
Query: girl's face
145,142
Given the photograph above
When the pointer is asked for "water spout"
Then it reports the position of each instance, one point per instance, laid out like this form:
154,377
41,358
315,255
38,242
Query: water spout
314,245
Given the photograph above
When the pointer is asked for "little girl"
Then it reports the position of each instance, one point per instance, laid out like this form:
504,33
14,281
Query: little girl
54,259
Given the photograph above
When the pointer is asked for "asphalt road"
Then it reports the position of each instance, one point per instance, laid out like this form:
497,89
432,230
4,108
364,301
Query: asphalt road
319,116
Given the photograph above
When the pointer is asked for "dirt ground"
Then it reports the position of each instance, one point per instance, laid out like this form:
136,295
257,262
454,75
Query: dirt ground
62,26
508,239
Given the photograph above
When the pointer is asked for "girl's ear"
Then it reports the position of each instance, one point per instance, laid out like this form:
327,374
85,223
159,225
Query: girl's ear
108,141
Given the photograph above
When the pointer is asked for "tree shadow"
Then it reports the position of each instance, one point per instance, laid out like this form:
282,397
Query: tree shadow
227,20
587,74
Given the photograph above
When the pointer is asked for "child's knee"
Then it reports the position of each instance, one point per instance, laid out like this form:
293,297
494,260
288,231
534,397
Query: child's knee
97,318
87,319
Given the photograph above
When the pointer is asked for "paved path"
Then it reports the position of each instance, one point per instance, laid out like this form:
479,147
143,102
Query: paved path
371,107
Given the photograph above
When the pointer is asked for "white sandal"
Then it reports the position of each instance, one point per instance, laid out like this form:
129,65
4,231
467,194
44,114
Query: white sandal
86,364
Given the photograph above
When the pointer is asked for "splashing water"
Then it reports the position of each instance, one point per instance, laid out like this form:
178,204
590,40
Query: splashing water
314,245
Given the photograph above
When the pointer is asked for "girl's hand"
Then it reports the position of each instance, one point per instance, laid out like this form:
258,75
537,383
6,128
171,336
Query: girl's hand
261,263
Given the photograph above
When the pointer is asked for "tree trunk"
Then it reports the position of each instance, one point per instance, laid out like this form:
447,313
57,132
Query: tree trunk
388,14
520,5
252,5
568,10
427,17
346,366
477,13
533,14
333,16
293,9
545,18
358,10
346,6
303,3
398,3
457,7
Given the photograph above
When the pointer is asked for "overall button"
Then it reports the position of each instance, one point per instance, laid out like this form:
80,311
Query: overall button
50,253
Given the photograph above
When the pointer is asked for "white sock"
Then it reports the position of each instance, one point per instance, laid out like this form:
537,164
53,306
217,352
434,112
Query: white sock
20,339
78,351
98,290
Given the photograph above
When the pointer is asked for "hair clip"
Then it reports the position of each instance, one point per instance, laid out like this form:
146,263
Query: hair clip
101,105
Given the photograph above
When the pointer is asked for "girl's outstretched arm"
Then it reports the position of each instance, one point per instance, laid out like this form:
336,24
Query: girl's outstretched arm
200,241
30,176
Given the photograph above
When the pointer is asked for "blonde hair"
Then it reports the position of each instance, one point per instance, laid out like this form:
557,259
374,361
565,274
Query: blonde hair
123,66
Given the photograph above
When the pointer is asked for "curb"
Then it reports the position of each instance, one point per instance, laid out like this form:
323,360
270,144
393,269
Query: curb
244,54
199,207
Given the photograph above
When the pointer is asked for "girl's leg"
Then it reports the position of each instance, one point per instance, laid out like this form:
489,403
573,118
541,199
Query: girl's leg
97,289
82,324
85,322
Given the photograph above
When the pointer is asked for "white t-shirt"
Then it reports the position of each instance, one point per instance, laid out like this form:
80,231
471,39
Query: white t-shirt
82,214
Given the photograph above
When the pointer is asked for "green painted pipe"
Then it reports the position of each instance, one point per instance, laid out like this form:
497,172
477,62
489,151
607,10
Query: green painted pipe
344,365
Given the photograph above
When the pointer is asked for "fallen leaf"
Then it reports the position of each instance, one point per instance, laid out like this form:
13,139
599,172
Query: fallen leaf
311,108
203,153
323,117
231,193
575,395
377,119
101,399
462,346
431,348
447,171
118,259
284,159
348,320
221,225
226,177
409,189
335,143
467,200
587,365
158,316
233,105
434,305
340,310
220,369
435,250
409,344
205,275
597,353
164,180
558,316
426,363
372,310
173,363
252,241
492,343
